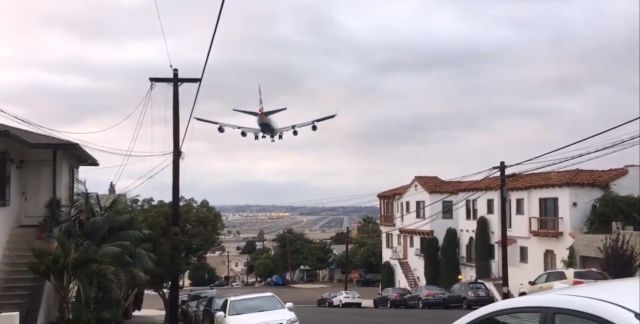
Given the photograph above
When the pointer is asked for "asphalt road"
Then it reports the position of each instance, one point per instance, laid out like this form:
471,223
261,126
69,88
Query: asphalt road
318,315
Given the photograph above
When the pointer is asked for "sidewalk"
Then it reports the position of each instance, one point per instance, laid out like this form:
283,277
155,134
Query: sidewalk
147,316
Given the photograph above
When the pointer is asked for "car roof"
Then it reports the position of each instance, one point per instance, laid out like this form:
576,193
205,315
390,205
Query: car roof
619,294
237,297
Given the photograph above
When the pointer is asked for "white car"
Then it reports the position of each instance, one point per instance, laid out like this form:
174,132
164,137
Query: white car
347,298
562,278
611,301
255,308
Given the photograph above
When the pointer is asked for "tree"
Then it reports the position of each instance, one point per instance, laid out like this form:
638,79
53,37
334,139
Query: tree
96,267
339,238
200,228
570,261
265,265
621,258
202,274
483,249
249,247
261,237
238,233
430,248
611,207
387,276
367,248
449,259
294,249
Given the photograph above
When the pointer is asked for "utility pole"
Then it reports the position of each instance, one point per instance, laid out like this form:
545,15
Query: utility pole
503,231
346,252
228,270
174,289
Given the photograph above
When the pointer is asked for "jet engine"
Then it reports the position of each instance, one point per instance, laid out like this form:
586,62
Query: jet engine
295,132
314,127
243,134
280,136
221,129
256,137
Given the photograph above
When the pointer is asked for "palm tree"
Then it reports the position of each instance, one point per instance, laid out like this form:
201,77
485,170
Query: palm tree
97,263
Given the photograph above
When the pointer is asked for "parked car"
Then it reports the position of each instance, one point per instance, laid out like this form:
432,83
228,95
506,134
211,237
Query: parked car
326,300
219,283
611,301
434,296
395,297
347,298
474,293
369,280
206,309
187,312
562,278
255,308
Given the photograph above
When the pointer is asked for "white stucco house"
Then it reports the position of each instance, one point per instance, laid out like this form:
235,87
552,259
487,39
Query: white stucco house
34,169
546,210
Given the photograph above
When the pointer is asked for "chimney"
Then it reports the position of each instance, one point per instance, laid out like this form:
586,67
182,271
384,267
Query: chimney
112,188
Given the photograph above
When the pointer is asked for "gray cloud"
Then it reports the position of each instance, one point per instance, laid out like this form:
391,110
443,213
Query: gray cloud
420,87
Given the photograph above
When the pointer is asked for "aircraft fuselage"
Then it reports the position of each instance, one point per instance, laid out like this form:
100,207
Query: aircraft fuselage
266,125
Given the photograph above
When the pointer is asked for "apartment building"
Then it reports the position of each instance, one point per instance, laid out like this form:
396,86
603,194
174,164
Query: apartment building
545,211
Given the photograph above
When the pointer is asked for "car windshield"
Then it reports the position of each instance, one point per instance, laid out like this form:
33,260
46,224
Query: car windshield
254,305
590,275
352,293
477,286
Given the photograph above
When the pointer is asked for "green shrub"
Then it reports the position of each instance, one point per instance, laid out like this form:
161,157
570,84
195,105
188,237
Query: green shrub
202,274
387,276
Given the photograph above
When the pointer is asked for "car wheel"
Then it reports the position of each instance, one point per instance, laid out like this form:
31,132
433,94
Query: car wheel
374,304
465,304
330,304
359,305
522,294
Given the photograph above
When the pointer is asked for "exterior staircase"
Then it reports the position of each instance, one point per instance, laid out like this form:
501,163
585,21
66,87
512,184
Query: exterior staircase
408,273
20,289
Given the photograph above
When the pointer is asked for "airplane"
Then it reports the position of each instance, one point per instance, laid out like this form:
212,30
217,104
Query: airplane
266,125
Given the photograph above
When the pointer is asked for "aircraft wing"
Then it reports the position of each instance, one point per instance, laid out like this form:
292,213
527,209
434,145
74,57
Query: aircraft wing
255,131
305,124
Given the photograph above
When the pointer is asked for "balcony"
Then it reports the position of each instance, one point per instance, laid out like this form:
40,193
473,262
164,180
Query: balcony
545,226
387,220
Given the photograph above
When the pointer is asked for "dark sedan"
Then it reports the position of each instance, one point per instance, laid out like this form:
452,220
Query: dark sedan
474,293
395,297
434,296
326,300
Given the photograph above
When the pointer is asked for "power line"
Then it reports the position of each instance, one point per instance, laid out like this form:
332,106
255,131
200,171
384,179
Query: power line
204,68
163,35
91,132
576,142
127,190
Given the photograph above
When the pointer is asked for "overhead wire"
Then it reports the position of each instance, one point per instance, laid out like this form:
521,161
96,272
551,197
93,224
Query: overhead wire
95,131
164,37
204,68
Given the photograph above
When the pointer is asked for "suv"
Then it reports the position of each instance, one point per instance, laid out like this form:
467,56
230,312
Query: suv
562,278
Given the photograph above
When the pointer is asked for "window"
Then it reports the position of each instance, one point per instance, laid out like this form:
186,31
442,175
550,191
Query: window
5,179
420,209
490,207
388,240
520,206
447,209
541,279
524,254
401,209
474,207
471,250
556,276
549,260
519,317
467,207
565,316
411,241
236,264
399,239
509,214
548,207
590,275
407,207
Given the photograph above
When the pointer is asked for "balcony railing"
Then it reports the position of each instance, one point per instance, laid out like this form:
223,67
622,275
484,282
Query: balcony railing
545,226
387,220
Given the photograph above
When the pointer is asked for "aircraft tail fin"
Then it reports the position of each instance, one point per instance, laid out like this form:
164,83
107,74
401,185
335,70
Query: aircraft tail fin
275,111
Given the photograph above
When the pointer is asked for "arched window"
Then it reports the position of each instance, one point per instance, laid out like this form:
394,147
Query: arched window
471,250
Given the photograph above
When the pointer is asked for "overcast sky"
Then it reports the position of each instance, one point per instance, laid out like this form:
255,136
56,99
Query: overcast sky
420,87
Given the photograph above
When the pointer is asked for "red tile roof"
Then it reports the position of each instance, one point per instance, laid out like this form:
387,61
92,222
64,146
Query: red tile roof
567,178
393,192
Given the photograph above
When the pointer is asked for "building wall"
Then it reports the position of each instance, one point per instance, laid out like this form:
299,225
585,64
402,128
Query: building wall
629,184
